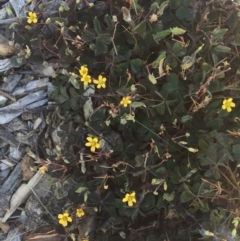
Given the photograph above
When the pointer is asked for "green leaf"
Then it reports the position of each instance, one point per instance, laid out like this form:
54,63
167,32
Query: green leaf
148,202
136,65
186,118
163,34
160,108
108,20
179,50
97,26
178,31
154,7
236,41
100,48
236,149
172,82
88,36
162,7
136,104
224,140
186,196
184,13
155,64
217,34
74,82
169,197
140,29
174,3
202,144
188,61
221,49
80,189
105,38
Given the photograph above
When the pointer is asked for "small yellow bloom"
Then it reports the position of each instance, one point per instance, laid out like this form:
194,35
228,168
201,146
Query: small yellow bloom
80,213
64,219
130,199
32,17
85,239
125,101
227,104
83,71
86,79
100,82
43,169
93,143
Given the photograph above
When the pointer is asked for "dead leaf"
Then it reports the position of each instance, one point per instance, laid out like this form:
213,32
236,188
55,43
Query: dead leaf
160,67
50,236
5,48
126,15
5,227
26,165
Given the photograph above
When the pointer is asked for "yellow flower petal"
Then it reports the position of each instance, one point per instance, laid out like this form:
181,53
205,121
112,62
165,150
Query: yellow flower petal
89,139
92,149
232,104
60,216
97,145
95,139
69,219
229,109
130,203
63,222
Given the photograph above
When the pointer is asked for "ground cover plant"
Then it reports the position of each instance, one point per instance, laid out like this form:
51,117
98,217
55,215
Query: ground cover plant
151,92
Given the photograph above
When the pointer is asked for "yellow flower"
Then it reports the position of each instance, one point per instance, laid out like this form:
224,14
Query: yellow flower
80,213
64,219
100,82
130,199
85,239
125,101
93,143
227,104
86,79
32,17
83,71
43,169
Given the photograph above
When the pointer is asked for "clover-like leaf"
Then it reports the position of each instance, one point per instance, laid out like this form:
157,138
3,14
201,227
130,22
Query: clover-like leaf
215,157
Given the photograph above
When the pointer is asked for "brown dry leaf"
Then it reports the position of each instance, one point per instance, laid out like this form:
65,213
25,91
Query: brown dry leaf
160,68
50,236
26,164
171,214
5,48
126,15
5,227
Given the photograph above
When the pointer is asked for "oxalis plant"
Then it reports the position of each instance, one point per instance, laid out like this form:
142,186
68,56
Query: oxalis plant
160,153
